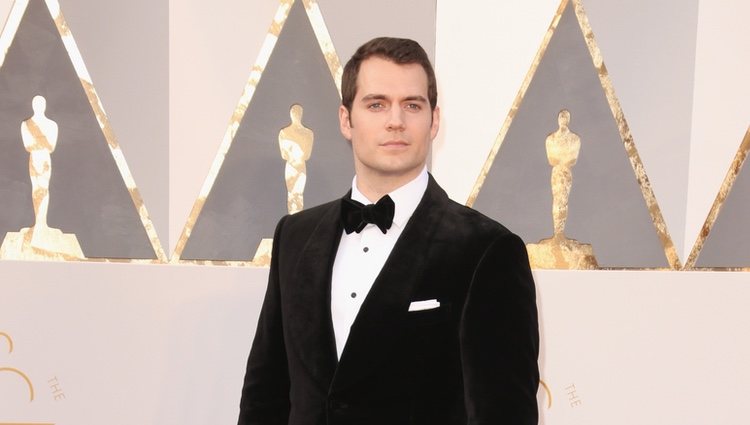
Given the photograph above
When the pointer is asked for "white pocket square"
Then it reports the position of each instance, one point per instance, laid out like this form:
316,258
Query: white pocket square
424,305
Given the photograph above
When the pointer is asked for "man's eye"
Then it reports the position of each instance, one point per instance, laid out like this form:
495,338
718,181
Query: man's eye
375,106
413,106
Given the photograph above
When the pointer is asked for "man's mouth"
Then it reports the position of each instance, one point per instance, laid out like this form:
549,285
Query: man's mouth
394,143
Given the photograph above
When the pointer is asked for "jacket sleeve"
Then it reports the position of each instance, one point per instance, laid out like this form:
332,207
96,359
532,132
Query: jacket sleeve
265,393
499,337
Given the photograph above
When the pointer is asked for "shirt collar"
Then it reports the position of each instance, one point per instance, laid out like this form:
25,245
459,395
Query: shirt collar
406,198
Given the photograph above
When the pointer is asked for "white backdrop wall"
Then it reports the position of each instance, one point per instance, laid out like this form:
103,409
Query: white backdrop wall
166,344
721,115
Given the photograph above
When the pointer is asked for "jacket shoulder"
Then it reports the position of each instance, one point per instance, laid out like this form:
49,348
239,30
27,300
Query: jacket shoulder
460,216
307,220
475,220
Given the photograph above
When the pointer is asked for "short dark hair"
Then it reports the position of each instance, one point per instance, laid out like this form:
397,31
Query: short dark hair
401,51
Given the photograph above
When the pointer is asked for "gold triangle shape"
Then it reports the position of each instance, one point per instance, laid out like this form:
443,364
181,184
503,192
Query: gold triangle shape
713,214
7,37
334,65
614,104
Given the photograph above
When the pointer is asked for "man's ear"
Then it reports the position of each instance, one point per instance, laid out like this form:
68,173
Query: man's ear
435,122
345,123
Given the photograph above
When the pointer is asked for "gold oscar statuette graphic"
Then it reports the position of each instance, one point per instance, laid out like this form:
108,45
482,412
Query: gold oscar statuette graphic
559,252
40,242
295,144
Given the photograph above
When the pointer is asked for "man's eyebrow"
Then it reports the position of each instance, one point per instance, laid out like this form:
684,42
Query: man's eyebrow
375,96
416,97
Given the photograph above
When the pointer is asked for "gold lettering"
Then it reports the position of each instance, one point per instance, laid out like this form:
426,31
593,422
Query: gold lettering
23,376
573,397
57,392
547,391
15,371
24,423
10,341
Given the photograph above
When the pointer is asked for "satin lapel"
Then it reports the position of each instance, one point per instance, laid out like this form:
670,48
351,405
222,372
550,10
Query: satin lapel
379,323
309,319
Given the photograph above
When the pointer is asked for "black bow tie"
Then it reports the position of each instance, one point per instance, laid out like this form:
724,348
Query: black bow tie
355,215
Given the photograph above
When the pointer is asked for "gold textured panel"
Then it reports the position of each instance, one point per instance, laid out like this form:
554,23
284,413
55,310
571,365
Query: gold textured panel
617,113
14,19
262,257
713,214
11,27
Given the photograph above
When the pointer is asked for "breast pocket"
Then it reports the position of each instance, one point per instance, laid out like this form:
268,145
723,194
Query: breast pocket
430,317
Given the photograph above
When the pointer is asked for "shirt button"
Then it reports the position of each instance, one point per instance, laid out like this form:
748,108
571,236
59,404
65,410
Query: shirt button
354,295
365,249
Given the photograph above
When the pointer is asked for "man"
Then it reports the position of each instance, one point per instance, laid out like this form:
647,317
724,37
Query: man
428,319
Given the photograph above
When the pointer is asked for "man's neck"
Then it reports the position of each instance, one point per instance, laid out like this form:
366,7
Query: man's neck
376,186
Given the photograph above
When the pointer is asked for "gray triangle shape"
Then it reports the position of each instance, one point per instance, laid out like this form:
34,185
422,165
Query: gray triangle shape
606,205
728,244
249,194
88,196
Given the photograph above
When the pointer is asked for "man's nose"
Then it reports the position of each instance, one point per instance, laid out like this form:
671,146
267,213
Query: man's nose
395,119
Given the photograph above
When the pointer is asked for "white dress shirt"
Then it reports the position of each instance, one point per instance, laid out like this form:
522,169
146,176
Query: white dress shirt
361,256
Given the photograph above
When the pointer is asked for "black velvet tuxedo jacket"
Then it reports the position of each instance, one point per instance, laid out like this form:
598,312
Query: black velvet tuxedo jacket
472,360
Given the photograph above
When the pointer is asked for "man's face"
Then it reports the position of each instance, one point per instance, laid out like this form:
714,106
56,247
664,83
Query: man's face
390,124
